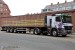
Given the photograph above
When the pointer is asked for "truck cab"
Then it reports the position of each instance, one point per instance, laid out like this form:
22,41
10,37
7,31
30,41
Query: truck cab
59,24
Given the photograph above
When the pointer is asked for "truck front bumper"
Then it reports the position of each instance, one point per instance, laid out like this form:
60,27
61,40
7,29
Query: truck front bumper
64,32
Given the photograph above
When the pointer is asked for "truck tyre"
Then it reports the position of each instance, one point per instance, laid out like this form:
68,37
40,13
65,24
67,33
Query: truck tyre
64,35
36,31
54,33
15,31
7,30
11,30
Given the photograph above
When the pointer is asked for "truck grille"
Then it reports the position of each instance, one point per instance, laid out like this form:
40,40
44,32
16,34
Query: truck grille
68,27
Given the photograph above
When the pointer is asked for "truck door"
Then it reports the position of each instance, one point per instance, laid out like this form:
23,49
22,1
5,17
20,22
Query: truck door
50,22
46,21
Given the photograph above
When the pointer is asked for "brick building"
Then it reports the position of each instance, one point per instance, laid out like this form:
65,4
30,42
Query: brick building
4,9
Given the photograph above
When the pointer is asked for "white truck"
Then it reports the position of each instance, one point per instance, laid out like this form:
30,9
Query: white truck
59,24
55,25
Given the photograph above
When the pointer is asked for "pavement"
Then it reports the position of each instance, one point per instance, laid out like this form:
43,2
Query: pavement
72,35
13,41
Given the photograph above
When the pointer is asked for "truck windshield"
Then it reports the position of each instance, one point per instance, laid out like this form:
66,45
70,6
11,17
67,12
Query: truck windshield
66,19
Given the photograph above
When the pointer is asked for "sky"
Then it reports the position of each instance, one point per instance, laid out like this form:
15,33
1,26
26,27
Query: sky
22,7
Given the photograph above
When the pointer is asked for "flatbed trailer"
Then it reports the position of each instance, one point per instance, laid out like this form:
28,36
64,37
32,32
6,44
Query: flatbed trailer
40,24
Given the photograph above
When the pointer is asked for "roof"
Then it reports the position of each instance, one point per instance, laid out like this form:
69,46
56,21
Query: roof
60,5
2,2
60,12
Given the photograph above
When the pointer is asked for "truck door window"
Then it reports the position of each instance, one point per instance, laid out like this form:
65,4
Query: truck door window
58,19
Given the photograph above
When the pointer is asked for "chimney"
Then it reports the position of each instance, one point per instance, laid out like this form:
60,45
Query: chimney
51,4
65,1
57,2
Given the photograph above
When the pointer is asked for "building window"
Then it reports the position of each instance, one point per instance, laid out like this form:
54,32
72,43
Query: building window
73,7
44,10
5,9
50,10
55,9
68,7
1,13
61,8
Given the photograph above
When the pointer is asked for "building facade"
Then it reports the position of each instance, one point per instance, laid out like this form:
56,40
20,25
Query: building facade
4,9
59,6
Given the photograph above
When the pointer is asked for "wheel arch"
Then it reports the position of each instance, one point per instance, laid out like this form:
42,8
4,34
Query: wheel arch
54,29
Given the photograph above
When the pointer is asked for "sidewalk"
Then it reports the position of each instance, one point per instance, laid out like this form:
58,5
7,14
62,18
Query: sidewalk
72,35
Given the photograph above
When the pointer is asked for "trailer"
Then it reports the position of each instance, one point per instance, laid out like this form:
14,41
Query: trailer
55,25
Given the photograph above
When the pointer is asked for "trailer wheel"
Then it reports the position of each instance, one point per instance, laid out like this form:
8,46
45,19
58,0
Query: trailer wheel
7,30
11,30
15,31
36,31
54,33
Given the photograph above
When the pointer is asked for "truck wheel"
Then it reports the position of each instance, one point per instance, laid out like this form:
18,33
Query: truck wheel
7,30
64,35
15,31
11,30
36,31
54,33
